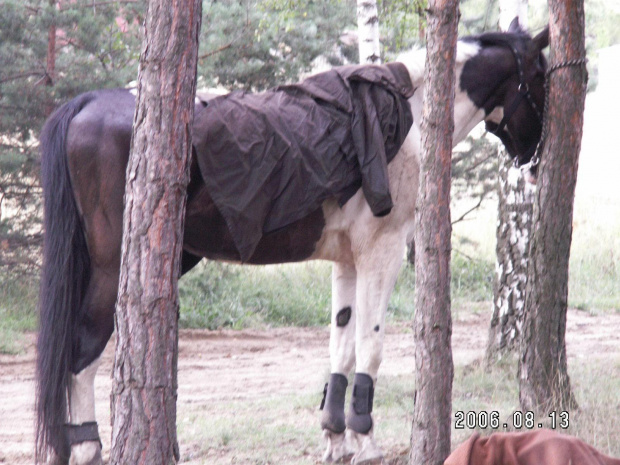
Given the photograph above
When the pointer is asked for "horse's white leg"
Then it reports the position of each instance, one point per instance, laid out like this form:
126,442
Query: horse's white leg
82,412
342,358
377,270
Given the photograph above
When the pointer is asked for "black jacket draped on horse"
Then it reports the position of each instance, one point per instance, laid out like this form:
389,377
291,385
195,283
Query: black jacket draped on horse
270,159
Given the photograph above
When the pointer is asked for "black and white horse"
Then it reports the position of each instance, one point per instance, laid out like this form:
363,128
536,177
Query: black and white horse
85,147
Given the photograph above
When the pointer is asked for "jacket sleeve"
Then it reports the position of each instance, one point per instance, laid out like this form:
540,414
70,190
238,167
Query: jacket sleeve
369,143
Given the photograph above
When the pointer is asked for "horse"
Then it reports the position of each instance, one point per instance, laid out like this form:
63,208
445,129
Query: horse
85,149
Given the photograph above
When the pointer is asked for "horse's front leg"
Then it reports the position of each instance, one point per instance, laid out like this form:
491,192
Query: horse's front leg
342,357
377,270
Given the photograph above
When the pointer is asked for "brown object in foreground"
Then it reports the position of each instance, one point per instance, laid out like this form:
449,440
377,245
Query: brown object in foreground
532,448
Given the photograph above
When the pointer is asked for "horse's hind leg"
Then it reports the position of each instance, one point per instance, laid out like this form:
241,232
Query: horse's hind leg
94,331
342,356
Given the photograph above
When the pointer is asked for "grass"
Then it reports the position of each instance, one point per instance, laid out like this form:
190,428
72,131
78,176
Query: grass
285,429
18,301
596,386
594,280
217,295
594,269
273,430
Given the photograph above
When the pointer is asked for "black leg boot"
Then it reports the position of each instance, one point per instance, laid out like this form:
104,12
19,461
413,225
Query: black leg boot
359,418
333,404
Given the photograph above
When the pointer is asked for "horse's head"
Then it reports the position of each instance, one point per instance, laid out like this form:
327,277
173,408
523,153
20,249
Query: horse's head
507,79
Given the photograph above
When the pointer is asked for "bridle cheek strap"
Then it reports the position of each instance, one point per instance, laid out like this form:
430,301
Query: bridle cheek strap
508,113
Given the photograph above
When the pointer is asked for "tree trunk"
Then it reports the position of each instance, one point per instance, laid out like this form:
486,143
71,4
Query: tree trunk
544,384
50,61
368,31
514,219
513,240
145,368
432,326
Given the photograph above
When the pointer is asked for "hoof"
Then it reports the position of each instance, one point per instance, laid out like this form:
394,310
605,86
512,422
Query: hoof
86,453
339,448
368,451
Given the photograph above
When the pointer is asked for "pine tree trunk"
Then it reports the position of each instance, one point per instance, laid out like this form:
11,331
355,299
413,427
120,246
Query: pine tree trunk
513,241
50,62
432,326
50,59
145,368
368,31
514,219
544,384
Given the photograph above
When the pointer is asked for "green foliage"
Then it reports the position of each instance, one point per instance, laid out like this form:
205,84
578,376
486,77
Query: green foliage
217,295
254,45
402,23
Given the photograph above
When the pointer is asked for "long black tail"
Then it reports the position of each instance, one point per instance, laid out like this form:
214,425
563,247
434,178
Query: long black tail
64,279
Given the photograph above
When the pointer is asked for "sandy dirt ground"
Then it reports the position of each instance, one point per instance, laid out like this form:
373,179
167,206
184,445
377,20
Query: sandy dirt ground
214,364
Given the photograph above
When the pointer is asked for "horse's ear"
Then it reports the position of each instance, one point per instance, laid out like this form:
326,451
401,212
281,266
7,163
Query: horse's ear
515,27
542,39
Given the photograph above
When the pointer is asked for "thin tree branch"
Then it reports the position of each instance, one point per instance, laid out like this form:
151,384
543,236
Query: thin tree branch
223,47
22,75
475,207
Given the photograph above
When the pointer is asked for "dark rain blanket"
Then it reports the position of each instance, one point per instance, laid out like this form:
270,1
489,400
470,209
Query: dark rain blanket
272,158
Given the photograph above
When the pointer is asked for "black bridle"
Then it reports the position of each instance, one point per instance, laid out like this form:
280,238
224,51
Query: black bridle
523,93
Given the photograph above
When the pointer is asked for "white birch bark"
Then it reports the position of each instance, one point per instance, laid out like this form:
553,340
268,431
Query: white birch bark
368,32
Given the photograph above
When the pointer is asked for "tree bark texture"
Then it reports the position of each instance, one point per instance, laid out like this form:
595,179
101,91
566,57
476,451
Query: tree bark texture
368,32
544,384
432,326
513,240
145,368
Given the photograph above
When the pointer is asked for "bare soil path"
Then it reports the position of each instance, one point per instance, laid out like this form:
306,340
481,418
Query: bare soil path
216,367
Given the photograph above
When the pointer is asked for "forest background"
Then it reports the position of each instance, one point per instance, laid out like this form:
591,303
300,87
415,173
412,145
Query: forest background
254,45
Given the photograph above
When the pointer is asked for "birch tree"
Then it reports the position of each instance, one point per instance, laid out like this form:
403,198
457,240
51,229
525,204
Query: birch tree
514,220
368,32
